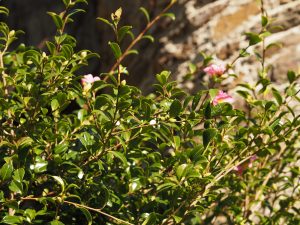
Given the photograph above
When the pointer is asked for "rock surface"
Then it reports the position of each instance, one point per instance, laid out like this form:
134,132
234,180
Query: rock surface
218,28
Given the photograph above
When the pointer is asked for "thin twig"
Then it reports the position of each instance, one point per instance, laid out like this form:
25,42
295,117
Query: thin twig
98,211
83,206
138,38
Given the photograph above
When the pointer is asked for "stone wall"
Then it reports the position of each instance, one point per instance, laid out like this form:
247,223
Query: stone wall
218,27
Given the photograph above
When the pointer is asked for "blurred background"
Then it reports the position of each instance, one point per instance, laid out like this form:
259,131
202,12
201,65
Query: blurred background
214,27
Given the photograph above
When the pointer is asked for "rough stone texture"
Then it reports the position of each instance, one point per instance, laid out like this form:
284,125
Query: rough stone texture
212,26
218,28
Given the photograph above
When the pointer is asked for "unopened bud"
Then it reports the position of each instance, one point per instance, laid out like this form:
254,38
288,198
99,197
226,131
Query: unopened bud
172,120
83,54
11,33
65,63
123,82
152,122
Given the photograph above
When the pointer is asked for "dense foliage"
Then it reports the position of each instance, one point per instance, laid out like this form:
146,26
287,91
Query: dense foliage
124,158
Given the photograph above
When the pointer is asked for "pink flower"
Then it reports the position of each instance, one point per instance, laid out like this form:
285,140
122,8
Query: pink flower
222,97
252,159
89,79
215,70
242,167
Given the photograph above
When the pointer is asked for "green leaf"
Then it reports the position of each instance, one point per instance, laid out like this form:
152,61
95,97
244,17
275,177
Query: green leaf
67,51
75,11
182,170
6,144
208,135
265,34
175,108
134,185
207,111
291,76
116,49
40,166
81,114
12,220
177,219
120,156
192,68
213,93
30,214
145,12
132,51
61,148
123,31
54,104
16,187
87,215
150,37
6,171
56,19
66,2
196,100
166,186
24,142
51,47
60,181
277,96
176,142
19,175
170,15
86,139
264,21
244,53
163,77
81,1
105,21
253,38
4,10
244,94
275,45
56,222
151,219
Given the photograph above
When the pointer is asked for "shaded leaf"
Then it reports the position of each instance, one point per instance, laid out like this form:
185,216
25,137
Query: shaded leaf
116,49
6,171
175,108
145,12
208,135
87,215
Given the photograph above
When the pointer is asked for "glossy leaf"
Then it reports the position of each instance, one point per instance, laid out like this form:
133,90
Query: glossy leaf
116,49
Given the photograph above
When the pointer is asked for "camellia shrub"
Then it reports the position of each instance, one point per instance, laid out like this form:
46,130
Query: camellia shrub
119,157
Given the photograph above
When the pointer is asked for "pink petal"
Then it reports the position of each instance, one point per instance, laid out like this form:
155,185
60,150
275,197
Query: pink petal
96,78
87,79
214,70
222,97
239,169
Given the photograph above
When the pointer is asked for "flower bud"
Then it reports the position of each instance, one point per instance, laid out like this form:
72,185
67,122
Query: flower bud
83,54
123,82
11,33
152,122
172,120
65,63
